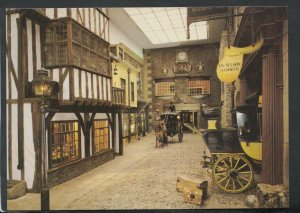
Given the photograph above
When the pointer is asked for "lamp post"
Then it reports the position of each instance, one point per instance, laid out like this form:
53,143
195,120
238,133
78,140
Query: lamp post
42,88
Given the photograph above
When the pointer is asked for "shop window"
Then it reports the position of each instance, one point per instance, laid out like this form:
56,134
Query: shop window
100,135
164,88
132,92
132,124
64,142
199,87
125,122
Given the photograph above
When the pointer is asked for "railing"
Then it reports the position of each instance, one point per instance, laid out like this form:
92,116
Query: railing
118,96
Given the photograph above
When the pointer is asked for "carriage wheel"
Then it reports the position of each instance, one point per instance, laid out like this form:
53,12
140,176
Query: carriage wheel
232,173
180,136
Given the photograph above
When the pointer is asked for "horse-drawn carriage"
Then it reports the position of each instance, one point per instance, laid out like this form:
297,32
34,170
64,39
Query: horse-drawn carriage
168,125
234,151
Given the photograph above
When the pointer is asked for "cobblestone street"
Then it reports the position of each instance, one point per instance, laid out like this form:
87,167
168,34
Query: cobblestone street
143,178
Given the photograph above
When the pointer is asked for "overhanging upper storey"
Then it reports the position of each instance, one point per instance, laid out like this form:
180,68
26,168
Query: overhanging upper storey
69,43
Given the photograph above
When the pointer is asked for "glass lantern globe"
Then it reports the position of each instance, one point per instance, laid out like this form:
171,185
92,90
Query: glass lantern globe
42,85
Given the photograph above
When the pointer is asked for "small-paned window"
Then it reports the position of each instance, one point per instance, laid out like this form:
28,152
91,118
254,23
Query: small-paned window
164,88
199,87
64,142
86,50
100,135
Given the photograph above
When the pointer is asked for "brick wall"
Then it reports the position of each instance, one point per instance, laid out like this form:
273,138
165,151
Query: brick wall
226,117
73,169
157,59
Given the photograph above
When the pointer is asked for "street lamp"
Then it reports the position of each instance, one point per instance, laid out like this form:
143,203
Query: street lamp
42,88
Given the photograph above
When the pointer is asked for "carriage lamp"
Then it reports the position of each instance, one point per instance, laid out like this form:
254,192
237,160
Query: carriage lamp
178,117
42,88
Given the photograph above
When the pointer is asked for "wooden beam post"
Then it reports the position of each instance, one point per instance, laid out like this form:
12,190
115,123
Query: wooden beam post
120,134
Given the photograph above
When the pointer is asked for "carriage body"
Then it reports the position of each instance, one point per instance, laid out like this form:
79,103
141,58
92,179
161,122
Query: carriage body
168,124
172,123
235,151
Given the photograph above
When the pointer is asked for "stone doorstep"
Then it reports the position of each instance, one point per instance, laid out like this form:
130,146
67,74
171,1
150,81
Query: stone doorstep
16,189
194,189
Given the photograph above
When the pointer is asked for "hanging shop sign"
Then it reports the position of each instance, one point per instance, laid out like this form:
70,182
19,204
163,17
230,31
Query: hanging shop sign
230,65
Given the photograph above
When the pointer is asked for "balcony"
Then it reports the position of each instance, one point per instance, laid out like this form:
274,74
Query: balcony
118,96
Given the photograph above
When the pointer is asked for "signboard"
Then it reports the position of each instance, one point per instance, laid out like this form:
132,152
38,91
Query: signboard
229,67
182,68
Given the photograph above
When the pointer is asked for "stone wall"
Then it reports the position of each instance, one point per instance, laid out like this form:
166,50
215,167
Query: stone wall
65,172
147,82
157,59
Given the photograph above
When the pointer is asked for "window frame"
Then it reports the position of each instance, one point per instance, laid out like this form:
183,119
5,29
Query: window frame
199,87
93,136
51,140
171,92
93,45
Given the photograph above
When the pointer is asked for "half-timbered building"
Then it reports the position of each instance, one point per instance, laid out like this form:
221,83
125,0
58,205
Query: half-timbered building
82,127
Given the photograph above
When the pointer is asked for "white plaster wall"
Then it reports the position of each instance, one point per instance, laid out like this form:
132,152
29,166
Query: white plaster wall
66,86
86,17
118,36
89,85
74,12
56,75
29,153
16,174
38,46
64,117
61,12
95,86
29,52
100,88
83,84
104,89
92,19
76,82
50,12
97,23
14,52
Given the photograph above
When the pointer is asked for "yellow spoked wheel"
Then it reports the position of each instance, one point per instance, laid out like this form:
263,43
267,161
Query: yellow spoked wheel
232,173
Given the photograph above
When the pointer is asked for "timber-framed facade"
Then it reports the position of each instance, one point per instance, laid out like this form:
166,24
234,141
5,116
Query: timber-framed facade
73,44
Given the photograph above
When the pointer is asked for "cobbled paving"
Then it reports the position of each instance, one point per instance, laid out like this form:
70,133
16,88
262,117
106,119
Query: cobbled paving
150,183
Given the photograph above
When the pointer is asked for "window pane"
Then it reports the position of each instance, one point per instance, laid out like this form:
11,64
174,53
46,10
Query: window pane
64,142
100,135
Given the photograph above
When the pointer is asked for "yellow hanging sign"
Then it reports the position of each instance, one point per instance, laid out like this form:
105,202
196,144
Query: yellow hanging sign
230,65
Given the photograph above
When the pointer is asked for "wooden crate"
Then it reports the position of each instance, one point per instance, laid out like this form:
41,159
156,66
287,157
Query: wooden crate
194,189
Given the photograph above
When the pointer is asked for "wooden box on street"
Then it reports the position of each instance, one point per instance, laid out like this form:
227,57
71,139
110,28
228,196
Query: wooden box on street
194,189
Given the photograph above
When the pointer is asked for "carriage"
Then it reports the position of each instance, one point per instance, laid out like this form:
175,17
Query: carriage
235,152
168,125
